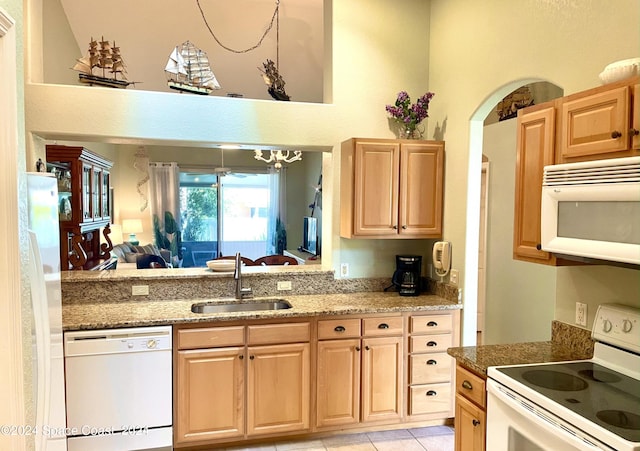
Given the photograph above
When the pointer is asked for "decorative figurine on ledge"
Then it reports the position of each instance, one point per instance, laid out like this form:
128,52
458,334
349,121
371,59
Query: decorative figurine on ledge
274,80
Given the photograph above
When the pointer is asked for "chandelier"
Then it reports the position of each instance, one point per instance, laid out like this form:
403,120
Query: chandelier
279,156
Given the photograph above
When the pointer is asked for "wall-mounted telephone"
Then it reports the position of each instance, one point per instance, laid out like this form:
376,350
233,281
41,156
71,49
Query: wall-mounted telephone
442,258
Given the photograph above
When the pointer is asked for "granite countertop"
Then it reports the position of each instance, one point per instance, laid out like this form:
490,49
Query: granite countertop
479,358
134,313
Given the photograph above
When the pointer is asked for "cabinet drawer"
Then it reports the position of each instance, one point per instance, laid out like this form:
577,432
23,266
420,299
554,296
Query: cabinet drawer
429,368
338,328
210,337
431,398
430,343
471,386
431,324
382,326
278,333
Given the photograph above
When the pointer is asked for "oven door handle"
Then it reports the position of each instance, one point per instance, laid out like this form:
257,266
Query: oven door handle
543,419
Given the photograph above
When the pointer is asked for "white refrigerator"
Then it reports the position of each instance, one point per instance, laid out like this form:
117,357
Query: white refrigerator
46,297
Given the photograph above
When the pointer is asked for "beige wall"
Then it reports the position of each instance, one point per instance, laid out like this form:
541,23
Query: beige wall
479,52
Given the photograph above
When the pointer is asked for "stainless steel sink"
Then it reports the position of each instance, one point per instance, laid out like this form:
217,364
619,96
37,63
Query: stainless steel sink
226,307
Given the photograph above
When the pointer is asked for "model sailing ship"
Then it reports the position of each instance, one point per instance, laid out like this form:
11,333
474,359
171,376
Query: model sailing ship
188,70
107,58
274,81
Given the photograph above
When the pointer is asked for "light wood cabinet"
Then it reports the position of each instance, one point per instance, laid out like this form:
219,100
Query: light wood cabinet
430,367
240,381
278,388
359,379
391,188
470,420
535,149
600,123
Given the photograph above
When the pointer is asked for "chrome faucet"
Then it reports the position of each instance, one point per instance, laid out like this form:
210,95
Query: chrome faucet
241,293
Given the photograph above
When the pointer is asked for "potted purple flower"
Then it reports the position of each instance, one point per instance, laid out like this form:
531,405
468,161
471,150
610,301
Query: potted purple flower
408,116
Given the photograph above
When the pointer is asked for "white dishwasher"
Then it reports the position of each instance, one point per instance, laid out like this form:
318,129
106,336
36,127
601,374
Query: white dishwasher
119,389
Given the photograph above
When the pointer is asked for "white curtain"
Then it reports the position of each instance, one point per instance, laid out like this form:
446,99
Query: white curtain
164,199
276,233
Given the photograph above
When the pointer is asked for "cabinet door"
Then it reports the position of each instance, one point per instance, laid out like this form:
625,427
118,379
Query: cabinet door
421,187
635,113
470,426
535,149
382,378
338,383
209,394
375,208
596,125
278,388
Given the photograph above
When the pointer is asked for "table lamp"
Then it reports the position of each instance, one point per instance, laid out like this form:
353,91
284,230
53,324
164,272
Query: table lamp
132,226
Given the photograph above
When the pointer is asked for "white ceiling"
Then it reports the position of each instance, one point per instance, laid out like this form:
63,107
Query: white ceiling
147,31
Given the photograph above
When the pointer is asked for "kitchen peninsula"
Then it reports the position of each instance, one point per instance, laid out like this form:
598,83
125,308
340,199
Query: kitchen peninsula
345,355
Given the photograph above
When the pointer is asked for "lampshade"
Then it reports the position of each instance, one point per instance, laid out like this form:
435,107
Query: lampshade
132,226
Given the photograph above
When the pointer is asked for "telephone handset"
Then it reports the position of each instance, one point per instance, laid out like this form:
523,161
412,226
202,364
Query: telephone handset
442,258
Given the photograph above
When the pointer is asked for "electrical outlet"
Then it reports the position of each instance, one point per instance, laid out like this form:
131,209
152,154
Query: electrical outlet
453,277
344,269
140,290
284,285
581,314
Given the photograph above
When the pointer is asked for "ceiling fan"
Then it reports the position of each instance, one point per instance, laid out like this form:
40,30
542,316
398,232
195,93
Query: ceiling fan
222,170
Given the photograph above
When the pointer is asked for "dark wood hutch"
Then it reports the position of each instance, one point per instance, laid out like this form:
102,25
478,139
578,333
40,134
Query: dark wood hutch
84,206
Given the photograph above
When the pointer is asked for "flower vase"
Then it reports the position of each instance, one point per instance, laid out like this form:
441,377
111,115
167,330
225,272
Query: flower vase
410,132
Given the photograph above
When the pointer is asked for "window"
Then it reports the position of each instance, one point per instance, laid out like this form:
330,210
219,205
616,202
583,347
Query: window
224,214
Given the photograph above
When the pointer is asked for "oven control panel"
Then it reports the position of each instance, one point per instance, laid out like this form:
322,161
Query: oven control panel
618,325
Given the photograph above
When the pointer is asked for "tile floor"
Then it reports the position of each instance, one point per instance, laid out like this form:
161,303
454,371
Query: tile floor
433,438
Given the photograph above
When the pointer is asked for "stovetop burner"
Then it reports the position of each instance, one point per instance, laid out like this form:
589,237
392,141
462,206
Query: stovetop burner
620,419
599,394
555,380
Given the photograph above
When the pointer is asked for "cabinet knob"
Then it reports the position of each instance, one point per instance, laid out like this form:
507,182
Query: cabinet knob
634,132
395,227
367,348
404,226
383,326
357,348
466,384
616,134
539,246
241,357
475,422
432,362
432,344
432,324
339,329
251,357
431,393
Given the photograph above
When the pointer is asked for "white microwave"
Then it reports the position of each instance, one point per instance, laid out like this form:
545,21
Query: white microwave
591,209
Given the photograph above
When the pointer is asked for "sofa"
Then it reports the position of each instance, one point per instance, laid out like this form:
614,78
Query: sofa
127,254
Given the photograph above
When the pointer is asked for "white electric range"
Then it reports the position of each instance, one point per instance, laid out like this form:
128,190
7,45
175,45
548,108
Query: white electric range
579,405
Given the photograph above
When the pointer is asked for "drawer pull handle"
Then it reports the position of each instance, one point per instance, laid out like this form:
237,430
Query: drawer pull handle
339,329
431,393
431,362
432,324
466,384
475,422
432,344
383,326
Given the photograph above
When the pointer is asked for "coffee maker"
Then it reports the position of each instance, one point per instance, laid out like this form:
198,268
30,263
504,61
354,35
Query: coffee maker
406,277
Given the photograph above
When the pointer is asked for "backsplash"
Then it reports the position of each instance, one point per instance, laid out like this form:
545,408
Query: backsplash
575,338
115,287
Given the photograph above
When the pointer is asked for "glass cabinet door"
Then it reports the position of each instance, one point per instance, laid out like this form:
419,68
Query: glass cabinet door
96,184
86,193
104,192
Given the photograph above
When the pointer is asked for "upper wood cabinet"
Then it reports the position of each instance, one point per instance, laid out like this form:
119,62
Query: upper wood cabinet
535,149
391,188
600,123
